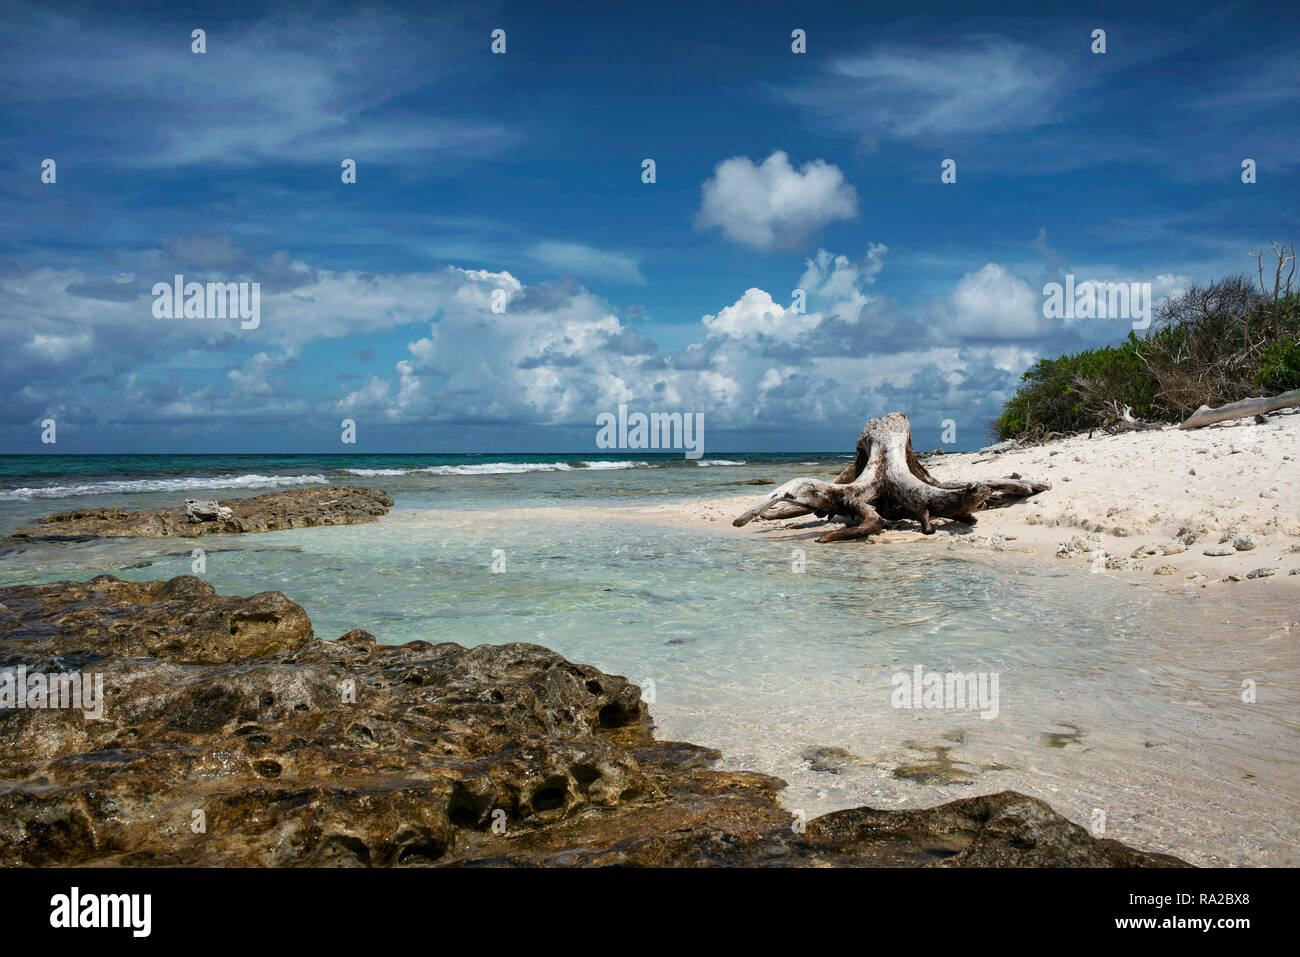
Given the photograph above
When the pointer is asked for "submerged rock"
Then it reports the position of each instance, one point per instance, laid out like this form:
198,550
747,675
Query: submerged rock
230,736
292,508
827,759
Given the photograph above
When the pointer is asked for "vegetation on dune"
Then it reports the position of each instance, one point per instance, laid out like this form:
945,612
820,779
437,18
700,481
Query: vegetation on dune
1208,345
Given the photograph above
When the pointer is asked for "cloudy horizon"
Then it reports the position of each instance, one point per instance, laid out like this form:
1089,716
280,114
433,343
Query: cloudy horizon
501,271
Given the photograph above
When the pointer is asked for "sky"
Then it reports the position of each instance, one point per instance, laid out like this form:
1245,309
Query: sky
501,272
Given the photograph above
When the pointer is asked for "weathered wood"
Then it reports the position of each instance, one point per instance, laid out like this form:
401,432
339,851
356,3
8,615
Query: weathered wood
885,483
1240,409
1122,421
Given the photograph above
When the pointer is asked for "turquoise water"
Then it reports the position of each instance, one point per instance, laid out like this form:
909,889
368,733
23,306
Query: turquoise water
1112,697
35,485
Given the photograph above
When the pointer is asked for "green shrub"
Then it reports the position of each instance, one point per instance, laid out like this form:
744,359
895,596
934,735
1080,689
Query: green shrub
1279,367
1071,393
1209,345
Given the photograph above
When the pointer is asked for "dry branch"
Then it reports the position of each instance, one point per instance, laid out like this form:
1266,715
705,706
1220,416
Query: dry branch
1238,410
1121,420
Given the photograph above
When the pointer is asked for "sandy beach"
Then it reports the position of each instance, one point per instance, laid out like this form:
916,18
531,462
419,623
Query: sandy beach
1145,505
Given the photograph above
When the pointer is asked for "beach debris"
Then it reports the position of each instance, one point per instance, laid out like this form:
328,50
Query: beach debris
1121,420
1219,551
886,483
1262,573
1173,548
1166,570
1240,410
1244,543
1078,544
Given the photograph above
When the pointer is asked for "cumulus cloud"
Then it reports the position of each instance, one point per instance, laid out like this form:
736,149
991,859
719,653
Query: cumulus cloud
756,313
556,356
771,205
993,303
552,358
838,281
254,376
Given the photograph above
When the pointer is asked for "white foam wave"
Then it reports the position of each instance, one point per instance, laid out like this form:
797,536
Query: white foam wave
126,486
498,468
616,465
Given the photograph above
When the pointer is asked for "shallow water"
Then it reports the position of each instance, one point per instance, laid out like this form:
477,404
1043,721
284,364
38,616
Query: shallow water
1111,697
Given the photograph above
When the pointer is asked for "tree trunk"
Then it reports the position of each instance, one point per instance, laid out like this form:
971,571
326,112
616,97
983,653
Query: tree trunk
887,482
1239,410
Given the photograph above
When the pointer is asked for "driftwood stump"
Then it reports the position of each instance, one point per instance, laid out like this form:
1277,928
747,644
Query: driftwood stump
887,482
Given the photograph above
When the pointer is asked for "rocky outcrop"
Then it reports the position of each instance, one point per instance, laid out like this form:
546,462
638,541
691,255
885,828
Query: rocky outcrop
183,621
230,735
292,508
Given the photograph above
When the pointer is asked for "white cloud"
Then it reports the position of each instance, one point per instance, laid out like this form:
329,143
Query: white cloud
993,303
254,377
772,205
556,356
288,87
837,281
59,349
756,313
989,85
581,260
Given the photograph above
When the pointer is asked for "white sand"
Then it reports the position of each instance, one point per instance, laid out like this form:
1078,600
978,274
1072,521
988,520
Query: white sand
1118,494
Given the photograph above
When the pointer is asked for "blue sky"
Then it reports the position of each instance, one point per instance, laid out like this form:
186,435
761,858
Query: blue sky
522,172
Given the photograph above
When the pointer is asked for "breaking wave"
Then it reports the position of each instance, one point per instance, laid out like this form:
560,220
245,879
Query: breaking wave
127,486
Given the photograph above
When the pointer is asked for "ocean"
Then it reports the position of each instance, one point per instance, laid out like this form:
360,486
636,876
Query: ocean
1117,704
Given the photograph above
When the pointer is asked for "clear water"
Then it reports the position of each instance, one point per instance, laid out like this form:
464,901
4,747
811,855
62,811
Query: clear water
1112,697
